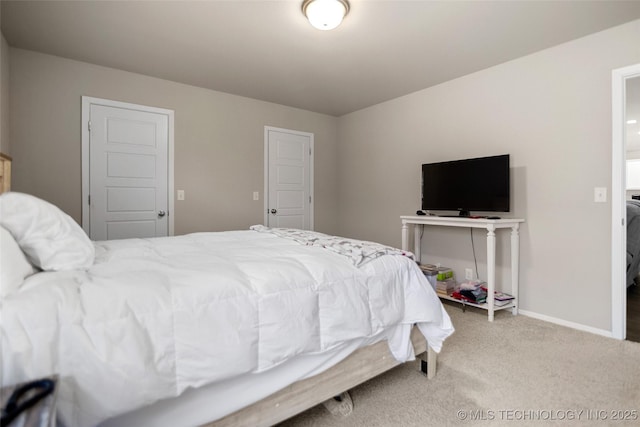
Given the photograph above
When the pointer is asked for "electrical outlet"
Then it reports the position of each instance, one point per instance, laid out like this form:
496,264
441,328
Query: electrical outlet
468,274
600,194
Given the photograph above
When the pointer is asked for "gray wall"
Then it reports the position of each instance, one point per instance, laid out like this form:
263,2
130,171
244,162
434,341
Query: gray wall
219,141
5,141
551,111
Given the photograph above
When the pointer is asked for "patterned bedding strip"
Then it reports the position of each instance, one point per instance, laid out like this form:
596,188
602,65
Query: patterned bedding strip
358,251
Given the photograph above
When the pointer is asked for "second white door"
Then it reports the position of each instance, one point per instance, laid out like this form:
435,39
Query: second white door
289,178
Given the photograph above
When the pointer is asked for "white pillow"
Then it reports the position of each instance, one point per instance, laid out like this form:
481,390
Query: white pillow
50,238
14,267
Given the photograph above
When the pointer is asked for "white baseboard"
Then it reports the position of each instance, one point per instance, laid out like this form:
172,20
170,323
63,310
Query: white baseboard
566,323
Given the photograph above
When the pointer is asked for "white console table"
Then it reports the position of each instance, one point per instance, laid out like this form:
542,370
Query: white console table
491,225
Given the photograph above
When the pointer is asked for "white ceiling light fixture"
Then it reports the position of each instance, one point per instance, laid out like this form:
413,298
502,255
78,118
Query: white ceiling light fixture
325,14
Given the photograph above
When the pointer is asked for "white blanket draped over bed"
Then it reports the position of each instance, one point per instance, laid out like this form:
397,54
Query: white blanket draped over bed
153,317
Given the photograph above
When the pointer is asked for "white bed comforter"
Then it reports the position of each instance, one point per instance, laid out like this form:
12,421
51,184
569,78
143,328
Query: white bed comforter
153,317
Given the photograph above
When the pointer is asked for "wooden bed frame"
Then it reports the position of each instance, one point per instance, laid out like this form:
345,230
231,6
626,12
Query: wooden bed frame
5,173
362,365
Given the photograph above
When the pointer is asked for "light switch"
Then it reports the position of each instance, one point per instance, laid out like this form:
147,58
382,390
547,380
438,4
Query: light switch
600,194
180,194
256,195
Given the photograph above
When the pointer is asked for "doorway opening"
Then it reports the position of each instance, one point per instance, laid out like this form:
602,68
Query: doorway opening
620,82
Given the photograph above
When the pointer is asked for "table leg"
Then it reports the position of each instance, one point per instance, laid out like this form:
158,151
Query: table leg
417,243
405,236
515,266
491,269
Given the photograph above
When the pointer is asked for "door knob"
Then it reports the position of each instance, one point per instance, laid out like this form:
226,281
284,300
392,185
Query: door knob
274,211
161,213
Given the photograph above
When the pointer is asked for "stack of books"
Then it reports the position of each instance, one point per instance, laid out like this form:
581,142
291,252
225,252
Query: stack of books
501,299
441,278
429,268
445,287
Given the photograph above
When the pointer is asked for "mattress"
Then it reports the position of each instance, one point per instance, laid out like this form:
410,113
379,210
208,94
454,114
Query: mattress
194,408
161,317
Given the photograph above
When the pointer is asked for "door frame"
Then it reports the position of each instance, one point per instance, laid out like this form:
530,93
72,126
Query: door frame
266,171
618,200
87,102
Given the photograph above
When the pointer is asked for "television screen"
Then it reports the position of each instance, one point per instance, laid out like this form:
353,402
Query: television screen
480,184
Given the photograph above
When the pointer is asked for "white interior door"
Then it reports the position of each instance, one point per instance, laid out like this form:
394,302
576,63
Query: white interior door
288,178
128,188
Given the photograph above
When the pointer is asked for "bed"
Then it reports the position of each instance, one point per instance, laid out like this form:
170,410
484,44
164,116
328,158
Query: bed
633,241
243,327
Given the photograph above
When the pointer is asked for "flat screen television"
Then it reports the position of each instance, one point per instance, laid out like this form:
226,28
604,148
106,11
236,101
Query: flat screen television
480,184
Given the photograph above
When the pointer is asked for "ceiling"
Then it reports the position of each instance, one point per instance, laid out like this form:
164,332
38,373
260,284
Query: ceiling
267,50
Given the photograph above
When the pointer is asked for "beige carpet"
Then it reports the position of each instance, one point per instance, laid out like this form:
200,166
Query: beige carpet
514,371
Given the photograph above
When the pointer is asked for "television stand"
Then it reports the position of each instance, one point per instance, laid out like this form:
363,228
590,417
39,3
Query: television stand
491,225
